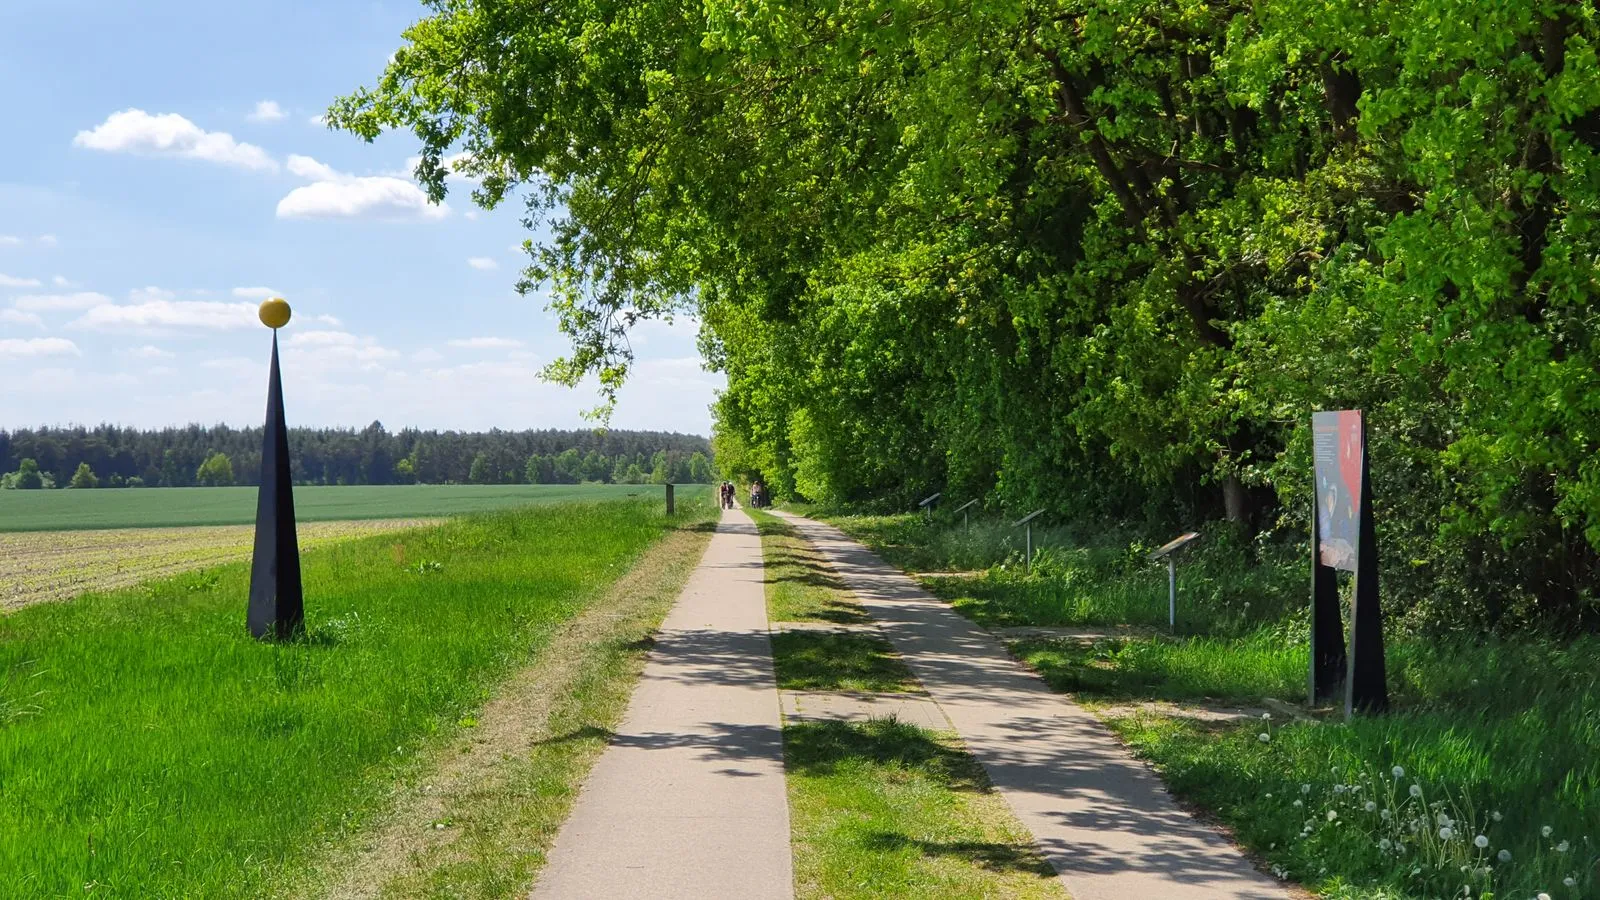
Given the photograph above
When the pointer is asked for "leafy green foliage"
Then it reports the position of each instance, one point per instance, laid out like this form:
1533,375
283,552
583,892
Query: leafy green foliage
1101,255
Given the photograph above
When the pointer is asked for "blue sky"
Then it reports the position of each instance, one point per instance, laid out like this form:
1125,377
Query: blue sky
164,171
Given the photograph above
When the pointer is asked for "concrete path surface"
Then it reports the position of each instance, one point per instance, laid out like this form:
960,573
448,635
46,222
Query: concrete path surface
1100,816
688,801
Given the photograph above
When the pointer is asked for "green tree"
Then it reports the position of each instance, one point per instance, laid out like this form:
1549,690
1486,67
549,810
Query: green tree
1101,256
84,477
482,470
216,471
28,477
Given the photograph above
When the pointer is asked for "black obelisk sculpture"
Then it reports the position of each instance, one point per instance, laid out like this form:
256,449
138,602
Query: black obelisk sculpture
277,607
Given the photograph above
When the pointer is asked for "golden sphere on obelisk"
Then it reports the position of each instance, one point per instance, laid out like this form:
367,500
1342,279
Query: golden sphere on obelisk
275,312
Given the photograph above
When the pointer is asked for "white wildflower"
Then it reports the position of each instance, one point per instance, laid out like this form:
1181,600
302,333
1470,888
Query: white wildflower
1263,737
1480,842
1542,896
1332,815
1446,833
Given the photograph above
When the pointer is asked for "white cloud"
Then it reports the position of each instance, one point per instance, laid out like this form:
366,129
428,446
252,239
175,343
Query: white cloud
136,131
61,281
266,111
9,240
324,339
150,295
49,240
18,348
319,120
336,195
427,355
9,281
327,320
254,293
51,302
18,317
306,167
158,313
148,351
471,215
482,263
486,343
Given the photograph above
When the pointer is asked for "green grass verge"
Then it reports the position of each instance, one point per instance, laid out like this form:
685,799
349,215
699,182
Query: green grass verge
1197,668
822,661
800,586
148,747
885,809
1501,737
68,510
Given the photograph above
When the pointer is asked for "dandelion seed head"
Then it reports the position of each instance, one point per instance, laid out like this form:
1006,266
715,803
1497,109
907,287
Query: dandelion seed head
1480,842
1416,790
1399,771
1263,737
1569,881
1446,833
1546,830
1563,847
1332,815
1504,856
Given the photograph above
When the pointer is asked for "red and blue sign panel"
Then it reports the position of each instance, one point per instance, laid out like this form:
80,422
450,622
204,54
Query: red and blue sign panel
1337,448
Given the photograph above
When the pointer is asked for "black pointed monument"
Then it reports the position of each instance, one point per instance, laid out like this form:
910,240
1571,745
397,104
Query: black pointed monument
277,606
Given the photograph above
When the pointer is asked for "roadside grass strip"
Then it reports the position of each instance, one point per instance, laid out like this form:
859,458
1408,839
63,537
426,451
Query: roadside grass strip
882,807
1232,669
885,809
800,586
1483,779
820,661
149,747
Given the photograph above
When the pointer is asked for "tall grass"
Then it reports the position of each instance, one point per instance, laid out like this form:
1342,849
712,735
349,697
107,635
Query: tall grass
1225,585
163,753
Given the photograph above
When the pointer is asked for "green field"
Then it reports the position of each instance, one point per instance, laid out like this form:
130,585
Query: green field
65,510
150,748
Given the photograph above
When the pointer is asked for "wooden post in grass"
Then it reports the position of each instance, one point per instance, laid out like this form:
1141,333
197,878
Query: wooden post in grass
929,503
277,606
671,506
1343,537
1027,523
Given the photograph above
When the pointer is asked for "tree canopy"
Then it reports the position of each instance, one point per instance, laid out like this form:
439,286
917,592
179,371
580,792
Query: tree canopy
1100,255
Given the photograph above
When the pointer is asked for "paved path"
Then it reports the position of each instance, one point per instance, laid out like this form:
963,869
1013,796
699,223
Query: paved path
688,800
1102,819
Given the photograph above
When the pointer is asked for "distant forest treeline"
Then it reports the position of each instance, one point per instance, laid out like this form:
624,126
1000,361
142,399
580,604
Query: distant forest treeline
172,457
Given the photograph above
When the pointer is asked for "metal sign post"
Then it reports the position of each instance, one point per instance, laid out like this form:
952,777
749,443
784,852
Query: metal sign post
1169,551
1027,522
929,503
966,525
